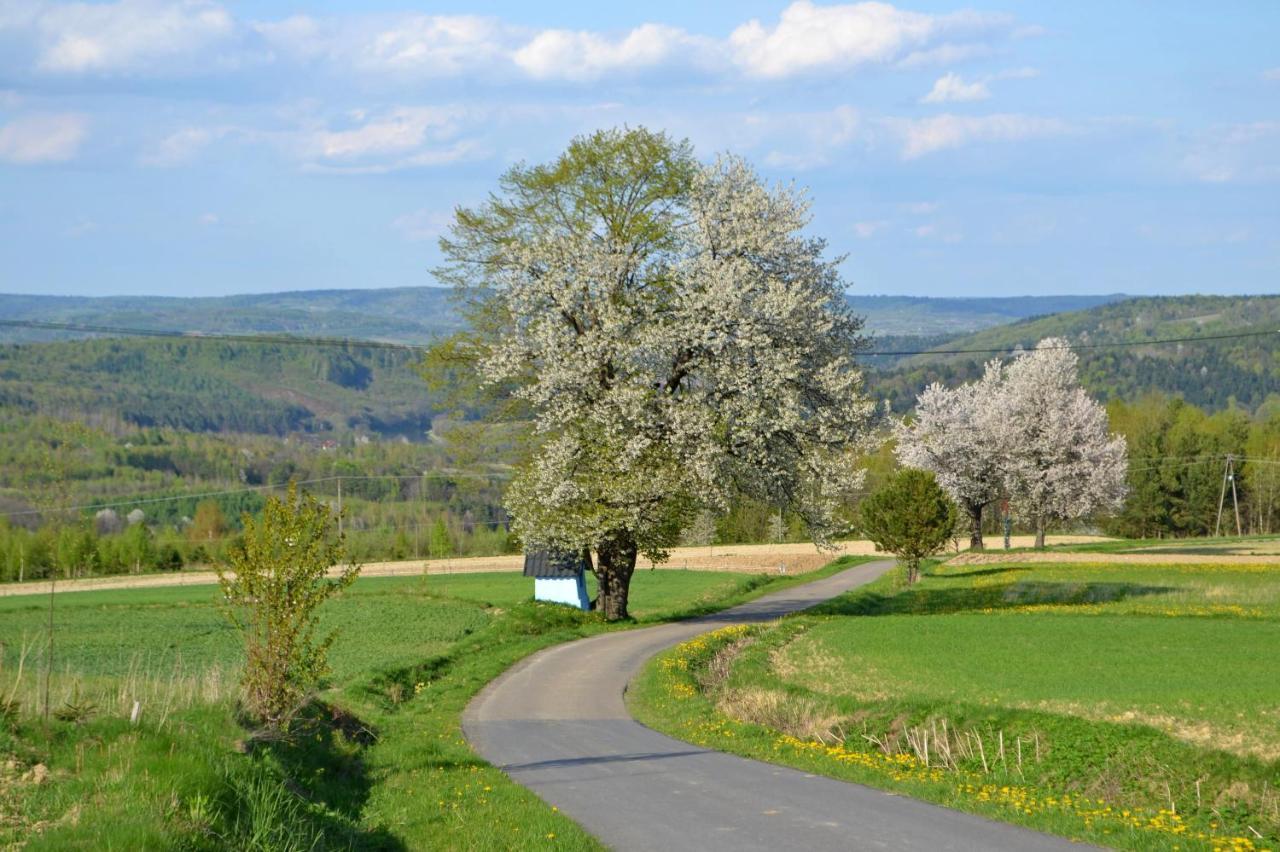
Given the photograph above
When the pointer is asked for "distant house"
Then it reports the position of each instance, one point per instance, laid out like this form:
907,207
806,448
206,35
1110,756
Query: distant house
559,577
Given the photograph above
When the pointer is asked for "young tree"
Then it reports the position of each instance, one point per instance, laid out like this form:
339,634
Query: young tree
1061,460
675,337
439,542
208,525
910,517
273,587
701,532
955,436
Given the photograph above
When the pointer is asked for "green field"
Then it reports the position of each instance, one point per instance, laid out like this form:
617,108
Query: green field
382,766
1137,706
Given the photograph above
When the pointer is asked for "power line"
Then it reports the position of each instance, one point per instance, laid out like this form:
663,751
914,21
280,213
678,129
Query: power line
1118,344
359,343
197,336
252,488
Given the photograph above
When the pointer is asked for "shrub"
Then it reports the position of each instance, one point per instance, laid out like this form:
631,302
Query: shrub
909,516
274,584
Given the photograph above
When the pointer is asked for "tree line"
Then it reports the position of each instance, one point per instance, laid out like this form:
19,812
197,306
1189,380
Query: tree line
1176,479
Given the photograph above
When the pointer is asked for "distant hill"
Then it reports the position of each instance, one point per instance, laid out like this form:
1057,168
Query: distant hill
1212,374
211,386
404,314
275,389
902,316
416,314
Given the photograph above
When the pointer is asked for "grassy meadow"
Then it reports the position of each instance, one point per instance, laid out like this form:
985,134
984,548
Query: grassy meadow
381,763
1136,706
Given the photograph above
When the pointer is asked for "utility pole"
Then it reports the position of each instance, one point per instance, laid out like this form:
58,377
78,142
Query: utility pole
339,505
1228,476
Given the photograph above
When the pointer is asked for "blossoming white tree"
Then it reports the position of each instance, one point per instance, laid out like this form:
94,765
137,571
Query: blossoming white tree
1061,460
955,436
676,339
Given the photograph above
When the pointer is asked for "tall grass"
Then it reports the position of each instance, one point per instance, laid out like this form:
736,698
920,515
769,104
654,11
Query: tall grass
149,689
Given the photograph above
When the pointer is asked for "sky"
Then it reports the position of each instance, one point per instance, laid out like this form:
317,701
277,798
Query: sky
1000,148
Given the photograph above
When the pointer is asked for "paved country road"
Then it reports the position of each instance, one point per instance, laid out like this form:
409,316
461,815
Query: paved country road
557,723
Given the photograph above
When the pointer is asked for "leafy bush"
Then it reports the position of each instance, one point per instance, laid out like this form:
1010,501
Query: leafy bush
274,586
911,517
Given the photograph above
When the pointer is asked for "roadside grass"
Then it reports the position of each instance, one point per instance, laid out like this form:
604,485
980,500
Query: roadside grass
379,763
1134,706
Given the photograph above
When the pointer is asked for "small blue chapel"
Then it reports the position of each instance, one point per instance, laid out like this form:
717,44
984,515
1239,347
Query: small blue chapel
559,577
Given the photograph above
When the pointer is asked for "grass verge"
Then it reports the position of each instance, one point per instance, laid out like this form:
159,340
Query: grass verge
1014,695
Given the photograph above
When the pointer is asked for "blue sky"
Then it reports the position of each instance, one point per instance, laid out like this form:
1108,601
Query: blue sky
1002,148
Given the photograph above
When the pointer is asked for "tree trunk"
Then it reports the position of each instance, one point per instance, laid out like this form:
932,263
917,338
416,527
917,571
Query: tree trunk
615,563
1039,535
975,526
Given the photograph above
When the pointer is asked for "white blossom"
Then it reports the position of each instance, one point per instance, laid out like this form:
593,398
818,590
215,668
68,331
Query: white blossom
1061,462
666,379
955,435
1026,431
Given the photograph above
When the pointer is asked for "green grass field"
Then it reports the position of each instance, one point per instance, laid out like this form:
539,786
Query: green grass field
384,765
1136,706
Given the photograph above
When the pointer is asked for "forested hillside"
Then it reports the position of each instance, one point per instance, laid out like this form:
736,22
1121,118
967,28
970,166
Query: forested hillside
914,315
212,386
277,389
404,314
1211,374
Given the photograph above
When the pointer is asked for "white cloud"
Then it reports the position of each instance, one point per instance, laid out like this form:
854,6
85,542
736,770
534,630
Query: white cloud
42,138
569,55
403,137
435,44
127,35
179,147
940,132
920,208
808,37
81,227
10,99
810,138
421,225
156,37
931,231
944,54
407,45
400,131
208,219
1236,153
952,87
1271,74
868,229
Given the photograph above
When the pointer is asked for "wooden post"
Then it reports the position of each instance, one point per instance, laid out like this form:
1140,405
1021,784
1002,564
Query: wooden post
1222,495
1235,500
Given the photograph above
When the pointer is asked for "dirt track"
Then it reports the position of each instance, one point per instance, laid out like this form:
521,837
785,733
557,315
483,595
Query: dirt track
745,558
1173,557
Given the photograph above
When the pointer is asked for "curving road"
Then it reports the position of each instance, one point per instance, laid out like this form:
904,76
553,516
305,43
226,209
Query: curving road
557,724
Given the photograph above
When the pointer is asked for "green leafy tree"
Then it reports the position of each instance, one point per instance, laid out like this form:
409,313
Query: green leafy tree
439,540
209,524
137,548
273,586
911,517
